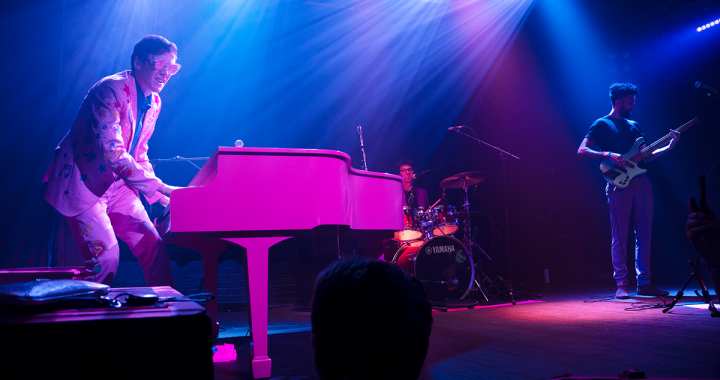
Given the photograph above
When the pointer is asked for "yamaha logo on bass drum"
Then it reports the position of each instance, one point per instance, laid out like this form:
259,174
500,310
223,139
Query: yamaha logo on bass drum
440,249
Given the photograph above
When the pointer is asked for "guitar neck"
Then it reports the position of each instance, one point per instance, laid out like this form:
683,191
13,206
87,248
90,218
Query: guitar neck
643,154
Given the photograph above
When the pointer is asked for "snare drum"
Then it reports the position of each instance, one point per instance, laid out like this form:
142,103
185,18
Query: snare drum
412,227
447,223
442,265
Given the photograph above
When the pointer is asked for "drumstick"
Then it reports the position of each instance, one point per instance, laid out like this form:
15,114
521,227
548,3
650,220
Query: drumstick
434,204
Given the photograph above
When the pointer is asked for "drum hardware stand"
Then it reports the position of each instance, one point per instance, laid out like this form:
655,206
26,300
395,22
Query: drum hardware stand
475,280
503,157
466,222
453,282
474,243
470,241
478,271
480,288
362,148
705,294
465,180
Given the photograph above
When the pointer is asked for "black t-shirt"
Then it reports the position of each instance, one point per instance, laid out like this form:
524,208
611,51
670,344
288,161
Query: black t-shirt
416,197
411,198
615,135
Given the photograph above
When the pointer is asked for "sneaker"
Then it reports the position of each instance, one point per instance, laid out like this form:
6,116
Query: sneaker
651,290
622,292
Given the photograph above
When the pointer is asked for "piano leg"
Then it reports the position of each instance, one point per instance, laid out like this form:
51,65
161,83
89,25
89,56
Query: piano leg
210,250
257,281
210,272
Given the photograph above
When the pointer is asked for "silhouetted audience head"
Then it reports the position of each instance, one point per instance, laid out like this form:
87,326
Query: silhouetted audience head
370,320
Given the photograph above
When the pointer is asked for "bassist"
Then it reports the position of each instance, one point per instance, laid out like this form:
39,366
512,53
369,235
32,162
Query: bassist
608,138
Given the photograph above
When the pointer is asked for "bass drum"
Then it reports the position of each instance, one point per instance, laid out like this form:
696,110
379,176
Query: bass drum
442,264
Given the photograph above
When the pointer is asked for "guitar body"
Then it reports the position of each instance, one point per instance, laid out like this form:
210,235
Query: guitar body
620,176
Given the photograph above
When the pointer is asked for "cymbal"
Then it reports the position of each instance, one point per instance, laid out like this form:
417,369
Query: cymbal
463,180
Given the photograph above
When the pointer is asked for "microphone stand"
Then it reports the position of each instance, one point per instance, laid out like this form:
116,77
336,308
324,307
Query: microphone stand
711,92
362,148
705,294
503,157
158,161
446,164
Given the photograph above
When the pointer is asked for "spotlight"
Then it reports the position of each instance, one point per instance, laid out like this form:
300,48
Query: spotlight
708,25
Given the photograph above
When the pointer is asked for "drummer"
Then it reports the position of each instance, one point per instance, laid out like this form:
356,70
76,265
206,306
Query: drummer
414,197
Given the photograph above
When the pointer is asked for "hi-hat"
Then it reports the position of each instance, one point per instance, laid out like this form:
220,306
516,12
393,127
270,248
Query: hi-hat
463,180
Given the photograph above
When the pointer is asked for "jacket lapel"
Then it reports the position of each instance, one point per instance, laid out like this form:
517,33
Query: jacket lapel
133,107
149,122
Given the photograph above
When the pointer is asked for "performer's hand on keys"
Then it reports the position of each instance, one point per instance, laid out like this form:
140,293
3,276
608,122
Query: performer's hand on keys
166,190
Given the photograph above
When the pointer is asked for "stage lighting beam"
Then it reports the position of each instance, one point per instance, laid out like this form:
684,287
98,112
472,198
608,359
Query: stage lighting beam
708,25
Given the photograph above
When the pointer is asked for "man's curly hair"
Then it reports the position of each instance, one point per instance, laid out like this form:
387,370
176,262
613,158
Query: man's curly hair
621,90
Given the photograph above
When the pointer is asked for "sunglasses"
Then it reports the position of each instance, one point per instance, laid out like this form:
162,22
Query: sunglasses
160,64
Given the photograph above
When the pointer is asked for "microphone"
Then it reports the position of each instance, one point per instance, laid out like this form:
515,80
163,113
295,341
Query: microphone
707,88
455,128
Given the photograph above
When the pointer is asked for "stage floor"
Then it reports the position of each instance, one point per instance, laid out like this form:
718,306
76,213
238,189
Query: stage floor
579,331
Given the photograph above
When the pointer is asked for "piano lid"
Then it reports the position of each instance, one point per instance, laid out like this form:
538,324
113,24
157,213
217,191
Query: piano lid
272,189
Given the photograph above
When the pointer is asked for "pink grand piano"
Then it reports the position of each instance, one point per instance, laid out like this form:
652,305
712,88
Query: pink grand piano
257,197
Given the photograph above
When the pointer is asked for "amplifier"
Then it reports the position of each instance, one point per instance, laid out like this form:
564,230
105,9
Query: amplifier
162,341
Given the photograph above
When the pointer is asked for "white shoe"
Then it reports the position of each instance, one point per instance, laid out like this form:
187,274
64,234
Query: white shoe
622,292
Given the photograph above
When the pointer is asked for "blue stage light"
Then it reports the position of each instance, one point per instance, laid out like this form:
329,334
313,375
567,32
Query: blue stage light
708,25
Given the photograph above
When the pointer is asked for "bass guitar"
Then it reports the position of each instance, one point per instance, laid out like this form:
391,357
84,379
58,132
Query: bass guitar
620,176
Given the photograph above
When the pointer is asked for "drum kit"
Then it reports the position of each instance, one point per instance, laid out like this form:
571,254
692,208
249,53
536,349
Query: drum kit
429,251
